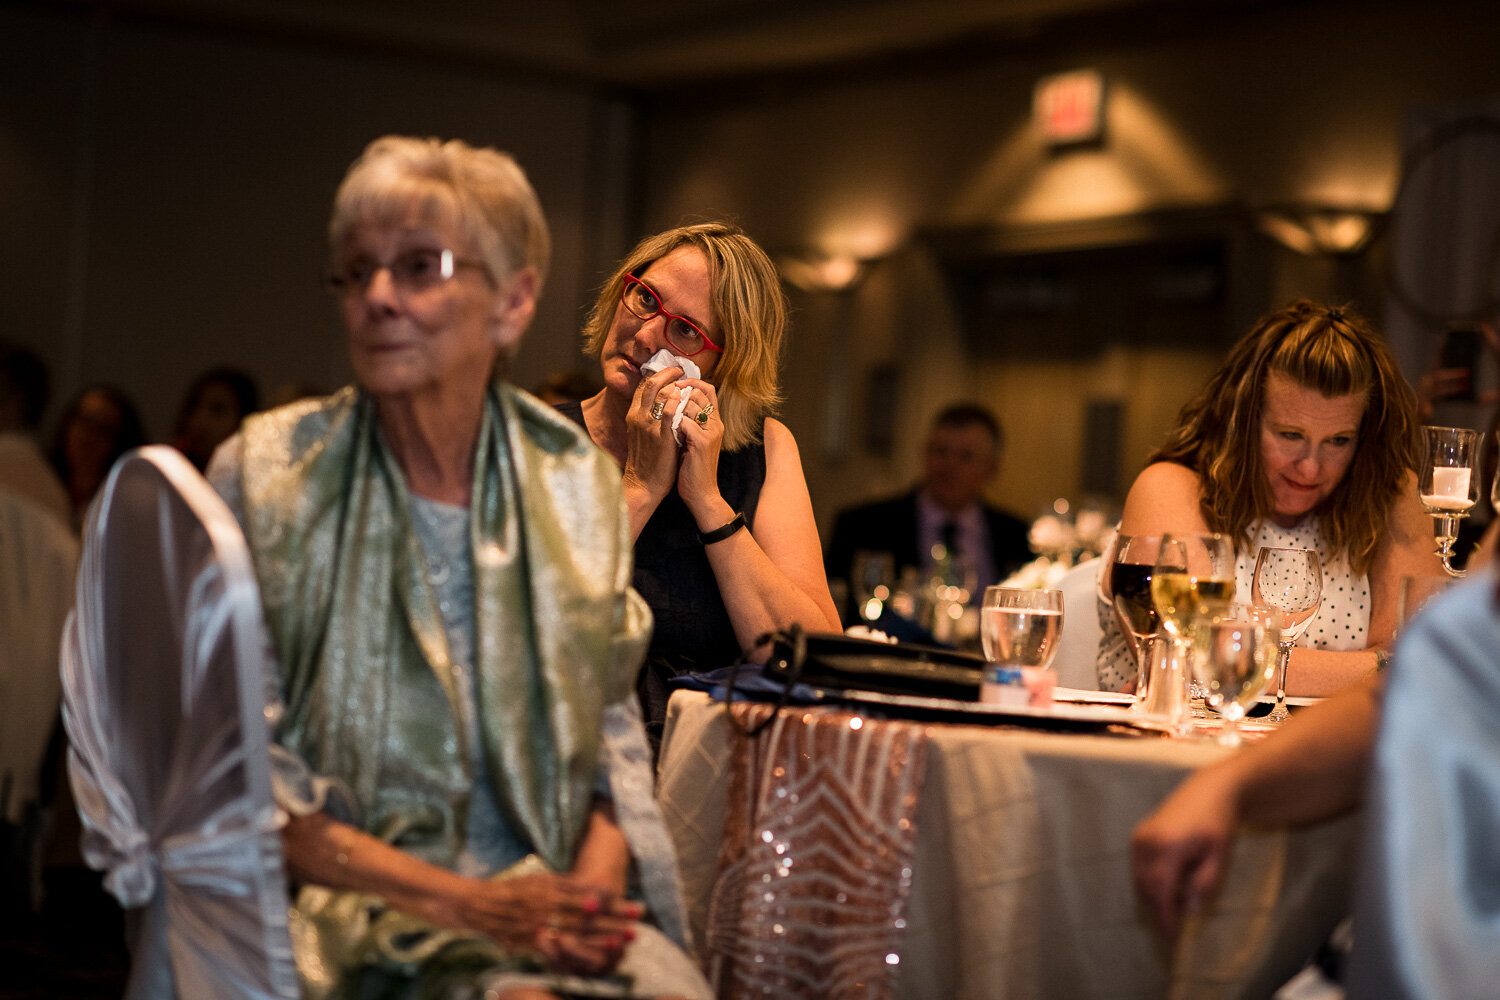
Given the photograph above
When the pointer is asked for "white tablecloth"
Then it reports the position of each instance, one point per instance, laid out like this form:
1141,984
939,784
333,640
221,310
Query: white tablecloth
1006,866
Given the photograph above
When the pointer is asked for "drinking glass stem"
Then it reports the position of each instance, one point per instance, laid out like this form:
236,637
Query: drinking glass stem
1143,668
1283,657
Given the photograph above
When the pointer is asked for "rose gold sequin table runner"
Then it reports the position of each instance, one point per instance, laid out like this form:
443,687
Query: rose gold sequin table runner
839,856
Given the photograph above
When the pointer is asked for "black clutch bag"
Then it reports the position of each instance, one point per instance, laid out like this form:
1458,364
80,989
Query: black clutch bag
833,660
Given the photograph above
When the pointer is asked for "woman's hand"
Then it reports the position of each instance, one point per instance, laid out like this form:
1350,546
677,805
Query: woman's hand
698,470
575,924
651,452
575,927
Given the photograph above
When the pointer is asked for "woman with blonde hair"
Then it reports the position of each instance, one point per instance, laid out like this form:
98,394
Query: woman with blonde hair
1305,437
726,547
444,567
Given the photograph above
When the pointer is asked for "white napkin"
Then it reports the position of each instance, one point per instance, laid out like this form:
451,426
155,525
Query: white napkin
666,359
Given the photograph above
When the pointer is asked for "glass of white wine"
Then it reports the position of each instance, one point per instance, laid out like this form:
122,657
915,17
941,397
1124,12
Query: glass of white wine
1233,652
1190,569
1019,627
1289,581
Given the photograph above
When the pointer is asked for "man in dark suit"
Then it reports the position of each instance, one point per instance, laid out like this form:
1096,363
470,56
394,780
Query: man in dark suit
946,514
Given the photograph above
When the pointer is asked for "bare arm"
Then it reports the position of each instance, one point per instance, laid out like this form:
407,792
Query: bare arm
774,576
1405,549
1313,768
576,921
1165,497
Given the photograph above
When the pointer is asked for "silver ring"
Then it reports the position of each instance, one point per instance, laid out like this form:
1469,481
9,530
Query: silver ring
657,408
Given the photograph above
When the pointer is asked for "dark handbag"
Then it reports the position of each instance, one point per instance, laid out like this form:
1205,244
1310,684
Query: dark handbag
833,660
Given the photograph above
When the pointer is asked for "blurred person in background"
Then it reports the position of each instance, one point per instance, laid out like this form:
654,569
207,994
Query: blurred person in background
211,411
945,512
98,426
24,470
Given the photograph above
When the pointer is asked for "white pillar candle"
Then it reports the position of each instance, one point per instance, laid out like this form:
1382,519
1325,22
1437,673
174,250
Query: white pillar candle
1450,488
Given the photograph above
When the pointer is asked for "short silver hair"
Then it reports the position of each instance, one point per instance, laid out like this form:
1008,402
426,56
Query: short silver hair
481,191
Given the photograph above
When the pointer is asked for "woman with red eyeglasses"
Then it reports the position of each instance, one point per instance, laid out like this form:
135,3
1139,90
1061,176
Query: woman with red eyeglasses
726,547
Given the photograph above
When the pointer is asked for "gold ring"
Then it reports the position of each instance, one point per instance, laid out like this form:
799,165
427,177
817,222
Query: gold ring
704,414
657,408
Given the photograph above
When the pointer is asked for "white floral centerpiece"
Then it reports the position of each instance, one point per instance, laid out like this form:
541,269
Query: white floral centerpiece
1062,540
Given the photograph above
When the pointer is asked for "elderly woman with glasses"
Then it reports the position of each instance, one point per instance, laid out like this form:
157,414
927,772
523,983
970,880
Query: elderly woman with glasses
726,547
444,567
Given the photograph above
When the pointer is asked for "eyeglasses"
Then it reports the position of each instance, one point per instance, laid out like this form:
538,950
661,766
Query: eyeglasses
411,271
686,338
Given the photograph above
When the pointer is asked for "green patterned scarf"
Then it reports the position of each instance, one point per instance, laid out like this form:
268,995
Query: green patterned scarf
363,655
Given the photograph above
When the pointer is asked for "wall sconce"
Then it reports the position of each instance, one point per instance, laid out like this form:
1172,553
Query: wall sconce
821,272
1069,108
1320,230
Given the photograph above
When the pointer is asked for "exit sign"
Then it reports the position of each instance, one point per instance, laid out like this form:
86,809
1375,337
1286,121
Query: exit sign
1069,108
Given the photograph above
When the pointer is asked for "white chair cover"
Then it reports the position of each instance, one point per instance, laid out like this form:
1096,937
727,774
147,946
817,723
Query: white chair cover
1078,648
164,704
37,559
1427,917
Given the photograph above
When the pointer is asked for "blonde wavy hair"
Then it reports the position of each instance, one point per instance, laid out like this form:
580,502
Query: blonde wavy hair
1337,353
748,317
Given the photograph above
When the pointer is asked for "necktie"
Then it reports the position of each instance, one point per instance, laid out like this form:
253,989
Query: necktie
949,534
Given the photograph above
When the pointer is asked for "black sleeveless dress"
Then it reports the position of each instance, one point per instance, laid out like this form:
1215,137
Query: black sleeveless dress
672,573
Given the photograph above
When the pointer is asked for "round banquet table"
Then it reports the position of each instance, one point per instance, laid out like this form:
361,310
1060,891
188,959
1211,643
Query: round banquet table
836,853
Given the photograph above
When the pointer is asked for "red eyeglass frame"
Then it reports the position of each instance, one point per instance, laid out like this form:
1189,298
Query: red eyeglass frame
630,279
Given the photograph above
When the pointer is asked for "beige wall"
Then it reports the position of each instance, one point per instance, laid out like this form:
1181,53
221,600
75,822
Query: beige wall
165,192
1301,102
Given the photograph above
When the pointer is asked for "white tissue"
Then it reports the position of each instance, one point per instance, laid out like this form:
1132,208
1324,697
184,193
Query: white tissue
666,359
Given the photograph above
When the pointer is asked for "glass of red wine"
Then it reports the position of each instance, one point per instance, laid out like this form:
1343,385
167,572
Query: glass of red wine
1131,567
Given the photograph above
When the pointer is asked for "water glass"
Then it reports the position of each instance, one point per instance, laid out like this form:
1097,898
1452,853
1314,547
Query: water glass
1020,627
1233,654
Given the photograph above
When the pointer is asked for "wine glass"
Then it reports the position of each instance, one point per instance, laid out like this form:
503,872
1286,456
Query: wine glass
1233,653
1131,566
871,580
1190,569
1289,581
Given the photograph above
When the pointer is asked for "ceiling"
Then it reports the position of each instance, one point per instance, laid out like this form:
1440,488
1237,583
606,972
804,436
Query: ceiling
658,45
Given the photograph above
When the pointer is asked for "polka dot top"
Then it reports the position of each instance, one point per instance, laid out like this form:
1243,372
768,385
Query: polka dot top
1342,621
1343,618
